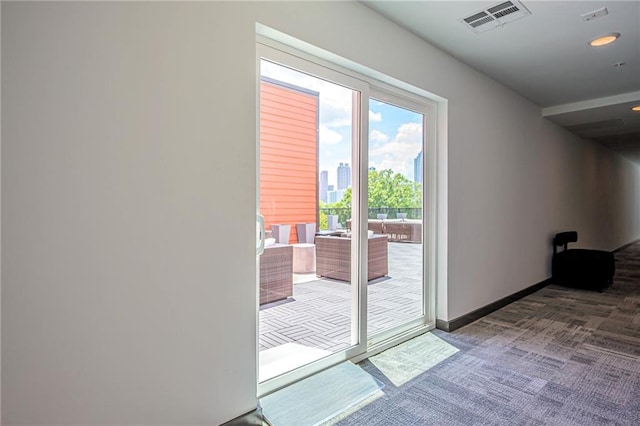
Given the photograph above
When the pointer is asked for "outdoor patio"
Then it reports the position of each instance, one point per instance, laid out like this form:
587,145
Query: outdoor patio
319,313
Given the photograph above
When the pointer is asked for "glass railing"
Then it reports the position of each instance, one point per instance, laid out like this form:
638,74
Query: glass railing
344,214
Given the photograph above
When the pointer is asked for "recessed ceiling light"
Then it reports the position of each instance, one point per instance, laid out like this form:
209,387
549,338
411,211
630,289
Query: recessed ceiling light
604,39
636,108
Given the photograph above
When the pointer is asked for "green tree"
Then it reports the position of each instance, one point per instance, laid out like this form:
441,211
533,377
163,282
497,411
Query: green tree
324,221
393,190
387,190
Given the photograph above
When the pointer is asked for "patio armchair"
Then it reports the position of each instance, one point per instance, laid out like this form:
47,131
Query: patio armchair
276,273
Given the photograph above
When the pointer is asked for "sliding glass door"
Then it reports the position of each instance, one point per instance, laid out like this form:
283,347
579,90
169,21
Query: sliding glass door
340,188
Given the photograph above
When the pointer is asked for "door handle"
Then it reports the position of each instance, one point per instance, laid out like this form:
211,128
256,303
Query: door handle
261,234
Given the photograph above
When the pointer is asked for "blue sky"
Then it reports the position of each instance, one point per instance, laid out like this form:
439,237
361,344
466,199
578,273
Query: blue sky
395,134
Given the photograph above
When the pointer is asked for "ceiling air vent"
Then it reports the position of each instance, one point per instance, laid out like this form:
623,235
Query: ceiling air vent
495,16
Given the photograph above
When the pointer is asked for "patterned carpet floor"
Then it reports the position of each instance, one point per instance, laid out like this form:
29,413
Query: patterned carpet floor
559,356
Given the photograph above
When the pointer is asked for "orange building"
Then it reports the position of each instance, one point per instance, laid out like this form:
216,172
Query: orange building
288,155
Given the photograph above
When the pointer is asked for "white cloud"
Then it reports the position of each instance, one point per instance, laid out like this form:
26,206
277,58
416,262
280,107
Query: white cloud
375,116
399,153
409,133
329,136
378,136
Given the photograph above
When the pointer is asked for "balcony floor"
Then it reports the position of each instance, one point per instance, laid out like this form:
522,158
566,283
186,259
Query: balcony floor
319,313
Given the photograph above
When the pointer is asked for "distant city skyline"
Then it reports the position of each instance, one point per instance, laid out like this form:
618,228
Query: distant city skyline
335,196
333,193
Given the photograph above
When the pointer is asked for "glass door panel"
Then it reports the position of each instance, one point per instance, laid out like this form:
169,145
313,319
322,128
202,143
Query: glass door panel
395,217
307,309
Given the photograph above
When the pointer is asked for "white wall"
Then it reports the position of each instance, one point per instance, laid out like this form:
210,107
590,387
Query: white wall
128,200
128,246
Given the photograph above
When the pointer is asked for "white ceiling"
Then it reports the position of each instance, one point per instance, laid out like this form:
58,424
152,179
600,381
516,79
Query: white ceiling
545,58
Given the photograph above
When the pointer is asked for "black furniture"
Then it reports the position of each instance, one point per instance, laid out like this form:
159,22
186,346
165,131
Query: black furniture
581,268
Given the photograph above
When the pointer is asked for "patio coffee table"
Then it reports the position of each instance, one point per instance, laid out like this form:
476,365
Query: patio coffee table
333,257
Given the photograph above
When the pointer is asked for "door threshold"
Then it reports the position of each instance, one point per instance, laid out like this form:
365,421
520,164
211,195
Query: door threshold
393,341
284,358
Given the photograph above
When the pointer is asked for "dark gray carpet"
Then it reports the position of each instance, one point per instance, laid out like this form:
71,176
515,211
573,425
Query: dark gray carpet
557,357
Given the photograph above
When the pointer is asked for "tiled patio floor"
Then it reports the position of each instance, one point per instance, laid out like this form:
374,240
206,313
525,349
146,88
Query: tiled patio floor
319,314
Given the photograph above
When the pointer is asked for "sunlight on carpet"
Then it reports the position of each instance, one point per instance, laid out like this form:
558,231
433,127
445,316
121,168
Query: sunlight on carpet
408,360
319,398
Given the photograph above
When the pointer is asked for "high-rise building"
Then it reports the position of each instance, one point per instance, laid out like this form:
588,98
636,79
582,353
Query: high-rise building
322,185
335,196
417,168
344,176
